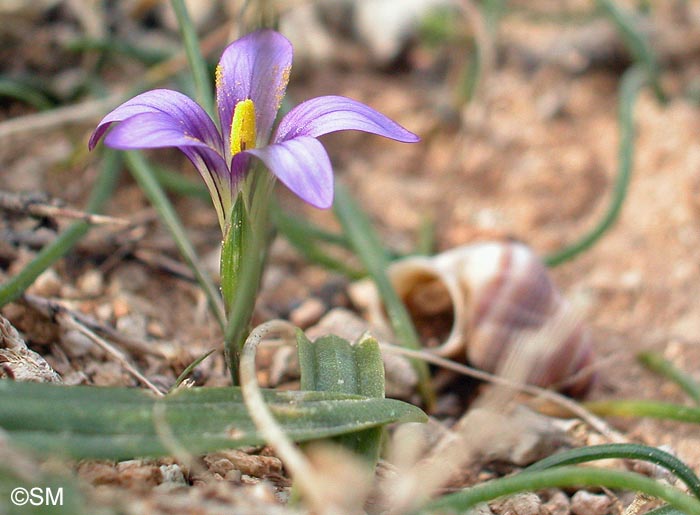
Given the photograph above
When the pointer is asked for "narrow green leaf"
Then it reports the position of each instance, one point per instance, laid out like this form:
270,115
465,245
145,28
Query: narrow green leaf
632,82
200,74
257,189
656,363
635,41
460,502
643,408
332,364
426,243
369,249
627,451
25,92
665,510
190,368
123,423
233,248
147,55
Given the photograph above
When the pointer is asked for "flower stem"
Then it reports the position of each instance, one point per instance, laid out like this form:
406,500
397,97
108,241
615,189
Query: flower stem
54,251
246,275
562,477
200,74
145,177
632,82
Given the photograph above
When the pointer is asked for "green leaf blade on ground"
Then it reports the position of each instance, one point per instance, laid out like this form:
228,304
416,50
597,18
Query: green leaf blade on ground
332,364
122,423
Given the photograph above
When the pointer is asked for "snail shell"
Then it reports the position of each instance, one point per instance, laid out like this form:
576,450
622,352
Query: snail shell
498,297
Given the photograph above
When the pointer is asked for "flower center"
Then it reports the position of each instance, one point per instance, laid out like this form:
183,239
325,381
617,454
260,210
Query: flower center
243,126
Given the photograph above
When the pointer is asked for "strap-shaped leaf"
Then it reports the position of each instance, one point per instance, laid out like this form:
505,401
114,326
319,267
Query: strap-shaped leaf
121,423
332,364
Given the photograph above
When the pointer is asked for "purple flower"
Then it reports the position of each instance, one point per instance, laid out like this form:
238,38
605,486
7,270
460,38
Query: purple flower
251,79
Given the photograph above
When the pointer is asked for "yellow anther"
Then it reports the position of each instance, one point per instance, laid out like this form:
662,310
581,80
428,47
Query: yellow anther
243,126
219,76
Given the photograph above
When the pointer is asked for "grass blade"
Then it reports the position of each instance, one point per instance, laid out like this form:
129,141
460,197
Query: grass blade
657,364
627,451
562,477
643,408
635,41
632,82
200,74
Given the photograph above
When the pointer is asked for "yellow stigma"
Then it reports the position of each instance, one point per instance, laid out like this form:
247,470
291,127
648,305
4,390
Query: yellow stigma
243,126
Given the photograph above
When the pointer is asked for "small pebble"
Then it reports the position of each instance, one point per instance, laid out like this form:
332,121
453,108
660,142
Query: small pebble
104,312
522,504
133,324
586,503
155,329
120,307
76,344
48,284
308,312
172,477
91,283
557,504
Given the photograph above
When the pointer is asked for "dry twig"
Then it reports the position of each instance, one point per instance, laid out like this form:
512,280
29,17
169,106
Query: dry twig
68,322
40,206
568,404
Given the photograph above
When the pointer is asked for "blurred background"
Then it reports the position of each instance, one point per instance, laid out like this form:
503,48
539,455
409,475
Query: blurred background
517,104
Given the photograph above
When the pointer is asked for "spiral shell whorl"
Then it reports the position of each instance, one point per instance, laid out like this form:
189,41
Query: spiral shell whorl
502,299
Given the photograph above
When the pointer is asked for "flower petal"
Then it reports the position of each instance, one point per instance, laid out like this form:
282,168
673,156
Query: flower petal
158,130
257,67
186,117
323,115
302,164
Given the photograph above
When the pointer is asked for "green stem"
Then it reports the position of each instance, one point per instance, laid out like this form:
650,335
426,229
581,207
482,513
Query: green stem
252,263
562,477
653,409
632,82
144,175
200,74
369,249
657,364
102,191
626,451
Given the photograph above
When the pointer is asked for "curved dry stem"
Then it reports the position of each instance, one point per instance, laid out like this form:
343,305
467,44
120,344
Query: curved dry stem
294,460
568,404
